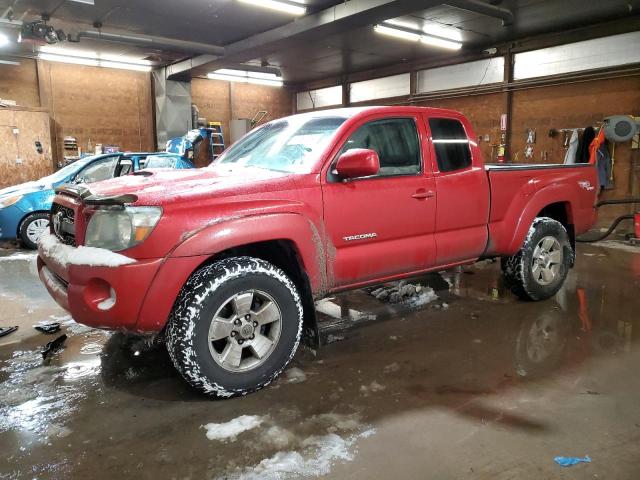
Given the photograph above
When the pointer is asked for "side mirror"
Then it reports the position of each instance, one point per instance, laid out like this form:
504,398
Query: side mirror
358,162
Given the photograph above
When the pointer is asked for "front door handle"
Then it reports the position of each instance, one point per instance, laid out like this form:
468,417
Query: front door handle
420,194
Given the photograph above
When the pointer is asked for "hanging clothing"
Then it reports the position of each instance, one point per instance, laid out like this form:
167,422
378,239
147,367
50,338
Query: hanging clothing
604,167
595,146
570,156
585,142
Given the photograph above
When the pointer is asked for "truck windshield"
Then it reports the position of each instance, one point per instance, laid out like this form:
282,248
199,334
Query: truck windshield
288,145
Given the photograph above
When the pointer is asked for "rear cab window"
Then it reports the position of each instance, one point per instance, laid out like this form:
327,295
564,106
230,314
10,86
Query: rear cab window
450,144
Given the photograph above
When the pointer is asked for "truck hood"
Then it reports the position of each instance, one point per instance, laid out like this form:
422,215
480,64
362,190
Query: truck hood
160,186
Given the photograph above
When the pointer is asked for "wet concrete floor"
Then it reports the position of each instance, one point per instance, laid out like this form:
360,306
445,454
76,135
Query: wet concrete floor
474,384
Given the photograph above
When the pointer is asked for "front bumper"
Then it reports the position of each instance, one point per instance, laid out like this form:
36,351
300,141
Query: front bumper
10,218
98,296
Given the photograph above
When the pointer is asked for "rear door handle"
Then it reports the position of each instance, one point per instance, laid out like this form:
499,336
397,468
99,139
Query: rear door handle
420,194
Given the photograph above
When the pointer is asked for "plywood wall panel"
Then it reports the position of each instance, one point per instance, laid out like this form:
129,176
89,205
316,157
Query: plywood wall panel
104,105
212,97
20,83
222,101
31,126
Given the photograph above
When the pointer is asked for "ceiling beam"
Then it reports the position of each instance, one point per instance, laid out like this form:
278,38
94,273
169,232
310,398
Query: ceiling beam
353,14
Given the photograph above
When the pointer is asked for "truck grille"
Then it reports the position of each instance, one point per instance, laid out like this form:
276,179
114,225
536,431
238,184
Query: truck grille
63,224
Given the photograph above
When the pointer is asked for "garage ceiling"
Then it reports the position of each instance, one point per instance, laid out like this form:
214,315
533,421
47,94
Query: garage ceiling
312,55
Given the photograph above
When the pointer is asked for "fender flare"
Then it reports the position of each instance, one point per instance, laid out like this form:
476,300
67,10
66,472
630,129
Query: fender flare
555,193
223,234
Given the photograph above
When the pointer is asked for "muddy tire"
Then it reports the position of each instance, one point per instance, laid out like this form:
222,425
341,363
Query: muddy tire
31,228
541,266
235,326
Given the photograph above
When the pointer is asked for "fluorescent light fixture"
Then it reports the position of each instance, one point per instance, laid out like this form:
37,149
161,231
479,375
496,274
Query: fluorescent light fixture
396,32
93,59
4,40
244,76
92,55
440,42
93,62
68,59
293,8
405,34
443,32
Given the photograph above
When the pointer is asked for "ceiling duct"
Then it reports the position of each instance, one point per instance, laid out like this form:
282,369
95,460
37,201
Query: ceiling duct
150,42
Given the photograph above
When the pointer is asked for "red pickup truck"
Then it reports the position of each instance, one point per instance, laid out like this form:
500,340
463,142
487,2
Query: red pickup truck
228,260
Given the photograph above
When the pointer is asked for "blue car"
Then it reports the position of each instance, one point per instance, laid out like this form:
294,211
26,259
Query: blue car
24,209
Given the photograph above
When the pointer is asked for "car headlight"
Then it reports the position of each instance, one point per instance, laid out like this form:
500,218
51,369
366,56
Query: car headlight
121,228
8,201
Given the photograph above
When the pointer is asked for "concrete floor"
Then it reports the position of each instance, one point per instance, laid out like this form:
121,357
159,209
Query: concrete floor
483,387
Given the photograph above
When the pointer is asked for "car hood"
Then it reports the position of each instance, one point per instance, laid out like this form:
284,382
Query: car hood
25,188
160,186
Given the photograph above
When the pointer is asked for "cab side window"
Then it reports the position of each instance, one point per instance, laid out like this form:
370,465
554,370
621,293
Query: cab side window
450,143
396,142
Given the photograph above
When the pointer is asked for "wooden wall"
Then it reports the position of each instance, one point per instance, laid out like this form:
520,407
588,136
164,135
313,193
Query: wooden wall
20,83
554,107
222,101
105,105
19,158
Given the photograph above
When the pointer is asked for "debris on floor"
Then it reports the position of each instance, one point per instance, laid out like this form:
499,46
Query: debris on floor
53,346
413,294
570,461
48,328
4,331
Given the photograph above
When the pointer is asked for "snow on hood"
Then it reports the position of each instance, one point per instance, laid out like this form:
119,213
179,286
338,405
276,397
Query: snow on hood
155,186
25,188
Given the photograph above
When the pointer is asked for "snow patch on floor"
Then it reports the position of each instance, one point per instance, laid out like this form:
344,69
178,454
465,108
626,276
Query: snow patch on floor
229,431
295,375
19,256
309,450
373,387
315,458
425,297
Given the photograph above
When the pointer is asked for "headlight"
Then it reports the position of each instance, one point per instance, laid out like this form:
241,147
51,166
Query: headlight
8,201
121,228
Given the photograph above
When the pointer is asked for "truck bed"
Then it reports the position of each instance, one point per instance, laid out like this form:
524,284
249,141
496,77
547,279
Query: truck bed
521,192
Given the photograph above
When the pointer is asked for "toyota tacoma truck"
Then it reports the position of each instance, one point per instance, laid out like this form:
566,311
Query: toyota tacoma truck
226,261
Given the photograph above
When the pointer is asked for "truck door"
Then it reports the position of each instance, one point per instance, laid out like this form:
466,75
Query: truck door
462,211
382,225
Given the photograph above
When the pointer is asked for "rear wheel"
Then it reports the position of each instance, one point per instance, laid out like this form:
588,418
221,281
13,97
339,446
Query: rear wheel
541,266
32,227
235,326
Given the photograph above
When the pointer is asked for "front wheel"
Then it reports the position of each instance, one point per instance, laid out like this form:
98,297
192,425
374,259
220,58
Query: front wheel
235,326
32,228
541,266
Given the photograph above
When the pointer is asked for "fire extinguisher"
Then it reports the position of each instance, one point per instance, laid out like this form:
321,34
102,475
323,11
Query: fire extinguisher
500,156
503,139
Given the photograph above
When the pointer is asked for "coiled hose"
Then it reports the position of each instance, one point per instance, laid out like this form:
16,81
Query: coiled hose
608,232
615,223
